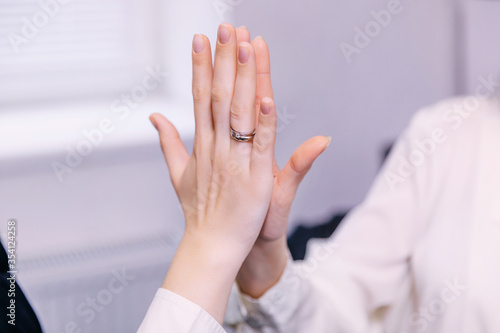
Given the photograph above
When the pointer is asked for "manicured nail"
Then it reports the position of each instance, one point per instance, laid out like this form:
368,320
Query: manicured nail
266,105
329,138
223,34
243,53
153,121
198,43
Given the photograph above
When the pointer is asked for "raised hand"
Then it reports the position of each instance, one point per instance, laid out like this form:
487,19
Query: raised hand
225,185
266,262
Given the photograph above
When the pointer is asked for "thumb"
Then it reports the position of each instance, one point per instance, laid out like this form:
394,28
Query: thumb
300,163
174,151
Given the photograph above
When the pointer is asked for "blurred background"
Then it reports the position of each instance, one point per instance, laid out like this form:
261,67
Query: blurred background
80,165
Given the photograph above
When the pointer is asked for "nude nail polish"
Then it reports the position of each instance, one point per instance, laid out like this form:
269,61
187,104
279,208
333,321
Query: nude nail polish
243,54
198,44
223,34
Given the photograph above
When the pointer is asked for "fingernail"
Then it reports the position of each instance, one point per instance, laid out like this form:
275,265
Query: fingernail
223,34
260,37
242,27
153,121
329,138
198,43
266,105
243,53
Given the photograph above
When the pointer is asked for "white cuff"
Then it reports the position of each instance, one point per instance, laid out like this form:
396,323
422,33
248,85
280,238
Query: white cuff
170,312
276,307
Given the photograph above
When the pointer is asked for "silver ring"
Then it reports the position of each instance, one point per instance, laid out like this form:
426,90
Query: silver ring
242,137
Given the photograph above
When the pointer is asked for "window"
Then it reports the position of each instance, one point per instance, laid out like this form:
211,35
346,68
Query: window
63,49
63,63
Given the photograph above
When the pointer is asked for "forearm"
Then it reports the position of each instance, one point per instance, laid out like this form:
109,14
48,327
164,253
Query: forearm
263,267
204,274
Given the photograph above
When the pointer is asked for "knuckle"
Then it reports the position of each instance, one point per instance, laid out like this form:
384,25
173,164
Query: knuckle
266,135
202,61
237,110
269,122
220,94
237,115
260,146
247,72
294,166
235,118
200,93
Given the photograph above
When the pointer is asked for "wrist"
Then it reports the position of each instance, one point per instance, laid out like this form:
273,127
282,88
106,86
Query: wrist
203,271
263,267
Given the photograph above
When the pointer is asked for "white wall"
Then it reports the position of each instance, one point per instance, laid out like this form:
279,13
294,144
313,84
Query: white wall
478,53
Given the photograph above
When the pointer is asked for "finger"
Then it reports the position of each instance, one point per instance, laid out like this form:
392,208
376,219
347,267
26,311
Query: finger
173,149
300,163
265,137
202,86
264,87
243,104
223,82
242,35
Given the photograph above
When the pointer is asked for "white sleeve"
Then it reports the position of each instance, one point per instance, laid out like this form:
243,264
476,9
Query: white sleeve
170,312
345,281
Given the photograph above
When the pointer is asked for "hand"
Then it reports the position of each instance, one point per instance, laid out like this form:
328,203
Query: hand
288,179
266,262
225,186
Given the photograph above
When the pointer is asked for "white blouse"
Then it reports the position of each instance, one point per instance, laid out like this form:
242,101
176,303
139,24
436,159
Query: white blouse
420,254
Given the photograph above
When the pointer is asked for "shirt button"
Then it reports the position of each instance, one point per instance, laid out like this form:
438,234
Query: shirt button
255,320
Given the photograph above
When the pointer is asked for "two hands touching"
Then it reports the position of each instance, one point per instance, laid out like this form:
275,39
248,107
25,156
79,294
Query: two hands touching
235,199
